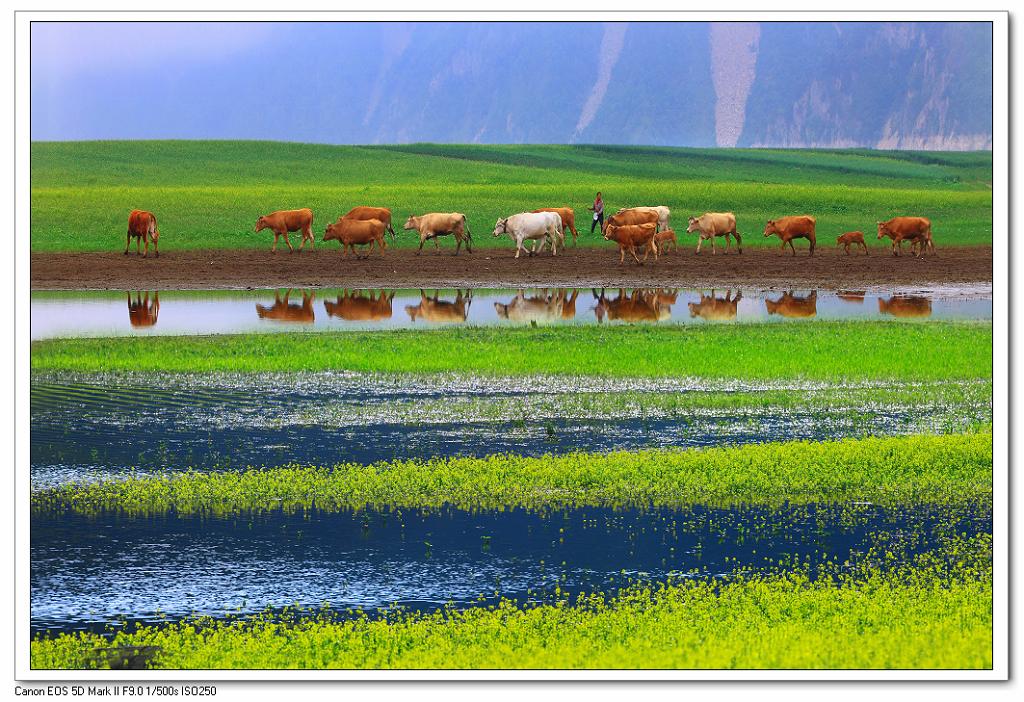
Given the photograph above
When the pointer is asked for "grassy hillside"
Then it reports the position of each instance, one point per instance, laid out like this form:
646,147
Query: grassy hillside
209,194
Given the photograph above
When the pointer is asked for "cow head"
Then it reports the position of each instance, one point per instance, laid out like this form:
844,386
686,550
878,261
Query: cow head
411,223
609,231
261,224
330,233
692,225
883,229
501,227
501,309
770,228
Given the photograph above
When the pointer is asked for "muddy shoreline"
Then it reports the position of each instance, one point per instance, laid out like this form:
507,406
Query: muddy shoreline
580,267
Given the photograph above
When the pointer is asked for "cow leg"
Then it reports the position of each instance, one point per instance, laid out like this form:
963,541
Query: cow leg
273,249
783,252
519,247
792,248
700,242
622,255
572,228
421,246
127,243
632,250
714,251
145,253
138,243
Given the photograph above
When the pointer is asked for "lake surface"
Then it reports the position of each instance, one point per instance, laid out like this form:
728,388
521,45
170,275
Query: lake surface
88,572
91,314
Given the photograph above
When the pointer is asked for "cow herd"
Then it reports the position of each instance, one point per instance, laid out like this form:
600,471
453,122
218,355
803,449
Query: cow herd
635,230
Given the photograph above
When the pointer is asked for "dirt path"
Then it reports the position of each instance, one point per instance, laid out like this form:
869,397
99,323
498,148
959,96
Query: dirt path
583,267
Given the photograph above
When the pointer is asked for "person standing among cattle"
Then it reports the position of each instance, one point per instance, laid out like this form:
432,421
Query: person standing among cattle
598,210
284,221
142,226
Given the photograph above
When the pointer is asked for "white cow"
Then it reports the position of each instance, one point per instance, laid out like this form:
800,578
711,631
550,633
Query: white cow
531,226
546,307
663,214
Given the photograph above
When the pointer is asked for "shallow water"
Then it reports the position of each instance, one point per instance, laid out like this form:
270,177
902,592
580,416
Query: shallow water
90,572
91,430
65,314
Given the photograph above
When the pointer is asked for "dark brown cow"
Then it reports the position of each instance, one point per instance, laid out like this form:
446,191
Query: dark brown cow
906,306
568,219
350,232
284,221
790,305
142,312
789,228
630,236
364,212
283,311
714,308
361,306
847,239
142,226
916,230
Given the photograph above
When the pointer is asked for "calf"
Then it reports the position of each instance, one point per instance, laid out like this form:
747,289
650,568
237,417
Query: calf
630,236
845,240
789,228
435,224
666,241
284,221
349,232
916,230
142,227
568,219
714,224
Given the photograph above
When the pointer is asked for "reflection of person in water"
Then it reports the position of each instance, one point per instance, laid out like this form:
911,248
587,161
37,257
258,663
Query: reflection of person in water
598,210
142,312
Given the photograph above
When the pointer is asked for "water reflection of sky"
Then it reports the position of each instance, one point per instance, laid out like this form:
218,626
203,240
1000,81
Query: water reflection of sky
221,312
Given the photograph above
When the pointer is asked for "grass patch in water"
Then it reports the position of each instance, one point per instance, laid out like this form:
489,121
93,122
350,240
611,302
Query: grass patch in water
816,351
934,612
953,468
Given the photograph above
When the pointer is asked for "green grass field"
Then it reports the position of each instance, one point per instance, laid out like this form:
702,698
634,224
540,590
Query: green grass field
828,351
209,194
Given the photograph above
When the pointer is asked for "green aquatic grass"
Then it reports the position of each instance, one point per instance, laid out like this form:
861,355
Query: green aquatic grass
208,194
926,614
953,468
829,351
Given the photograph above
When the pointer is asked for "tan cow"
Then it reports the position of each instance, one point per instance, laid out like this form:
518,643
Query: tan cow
435,224
142,226
663,213
283,311
630,236
916,230
142,312
714,308
359,306
790,305
638,306
543,308
433,309
568,219
849,238
349,232
666,241
284,221
364,212
906,306
714,224
789,228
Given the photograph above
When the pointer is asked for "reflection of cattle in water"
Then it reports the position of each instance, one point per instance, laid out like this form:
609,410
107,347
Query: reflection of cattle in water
906,306
433,309
545,307
638,306
714,308
142,312
791,305
361,306
283,311
852,295
568,300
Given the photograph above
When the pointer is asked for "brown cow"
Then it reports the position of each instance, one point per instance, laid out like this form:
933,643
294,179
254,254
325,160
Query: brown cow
435,224
142,312
568,298
433,309
284,221
666,241
349,232
905,306
629,217
917,230
848,238
638,306
282,311
630,236
789,305
714,308
568,219
142,226
356,306
789,228
714,224
364,212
